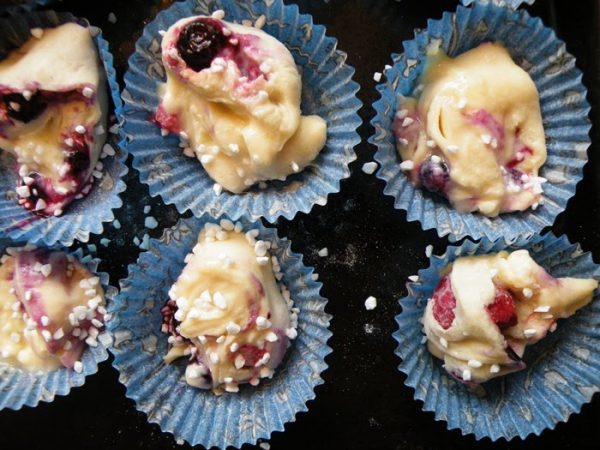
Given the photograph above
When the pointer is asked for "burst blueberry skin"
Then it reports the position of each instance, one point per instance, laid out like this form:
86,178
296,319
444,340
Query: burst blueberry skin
199,42
435,176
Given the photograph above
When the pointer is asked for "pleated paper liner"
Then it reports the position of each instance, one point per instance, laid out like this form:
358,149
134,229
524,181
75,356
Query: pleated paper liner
564,111
328,91
20,388
562,370
160,390
87,215
513,4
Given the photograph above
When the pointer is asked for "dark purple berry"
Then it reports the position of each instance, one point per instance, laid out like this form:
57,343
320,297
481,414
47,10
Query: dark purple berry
435,176
23,110
199,42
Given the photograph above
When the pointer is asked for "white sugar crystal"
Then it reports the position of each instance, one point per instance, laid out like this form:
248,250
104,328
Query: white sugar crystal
530,332
41,204
219,14
262,323
369,168
407,121
407,165
239,362
23,191
207,159
37,32
370,303
260,22
402,113
46,269
233,328
262,260
291,333
220,301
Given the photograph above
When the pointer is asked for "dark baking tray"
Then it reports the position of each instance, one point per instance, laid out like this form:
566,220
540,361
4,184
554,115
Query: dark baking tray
373,249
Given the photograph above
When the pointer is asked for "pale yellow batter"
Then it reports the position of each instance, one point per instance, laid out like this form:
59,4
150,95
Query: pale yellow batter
243,131
473,347
228,299
38,317
63,60
480,114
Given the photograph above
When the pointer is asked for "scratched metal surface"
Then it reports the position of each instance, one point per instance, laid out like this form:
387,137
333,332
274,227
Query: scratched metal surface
364,403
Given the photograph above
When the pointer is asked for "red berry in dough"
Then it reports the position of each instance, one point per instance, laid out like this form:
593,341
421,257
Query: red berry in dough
503,311
444,303
251,354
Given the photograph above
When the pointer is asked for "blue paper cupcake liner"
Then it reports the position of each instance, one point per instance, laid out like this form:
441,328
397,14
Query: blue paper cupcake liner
85,216
160,390
564,111
20,388
328,91
562,370
513,4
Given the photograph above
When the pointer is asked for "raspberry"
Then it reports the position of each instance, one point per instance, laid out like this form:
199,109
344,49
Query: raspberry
251,354
503,311
444,303
167,121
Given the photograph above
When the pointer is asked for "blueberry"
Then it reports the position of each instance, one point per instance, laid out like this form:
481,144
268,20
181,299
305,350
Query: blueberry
199,43
435,176
18,108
